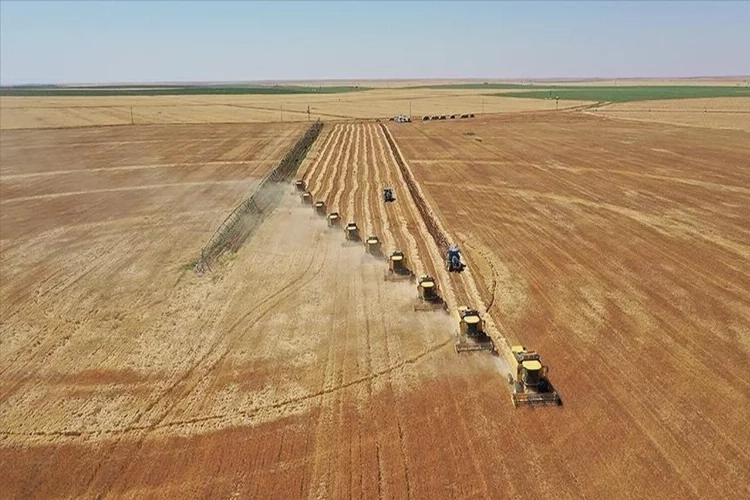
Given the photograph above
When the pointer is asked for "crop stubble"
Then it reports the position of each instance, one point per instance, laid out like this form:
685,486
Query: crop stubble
298,372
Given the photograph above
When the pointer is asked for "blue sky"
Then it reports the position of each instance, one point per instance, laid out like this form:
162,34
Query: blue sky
139,41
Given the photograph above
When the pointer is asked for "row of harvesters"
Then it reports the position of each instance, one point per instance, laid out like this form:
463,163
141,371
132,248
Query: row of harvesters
531,385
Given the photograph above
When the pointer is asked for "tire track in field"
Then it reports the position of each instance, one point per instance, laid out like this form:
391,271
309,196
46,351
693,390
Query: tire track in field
265,306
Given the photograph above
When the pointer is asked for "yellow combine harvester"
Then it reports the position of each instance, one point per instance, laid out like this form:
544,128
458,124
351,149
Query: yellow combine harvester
471,335
320,208
531,387
428,298
333,219
306,198
372,246
351,231
300,185
397,270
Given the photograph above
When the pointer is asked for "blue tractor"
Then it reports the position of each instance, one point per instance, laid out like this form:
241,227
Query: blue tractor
388,195
453,260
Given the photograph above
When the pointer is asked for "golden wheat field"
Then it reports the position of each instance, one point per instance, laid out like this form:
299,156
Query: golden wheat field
619,249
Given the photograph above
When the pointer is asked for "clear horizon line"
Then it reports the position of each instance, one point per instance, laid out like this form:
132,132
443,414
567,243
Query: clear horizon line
379,79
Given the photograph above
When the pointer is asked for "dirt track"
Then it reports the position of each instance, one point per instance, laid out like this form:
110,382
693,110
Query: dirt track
296,371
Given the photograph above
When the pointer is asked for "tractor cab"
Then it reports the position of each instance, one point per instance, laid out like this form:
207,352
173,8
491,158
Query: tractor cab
453,262
388,195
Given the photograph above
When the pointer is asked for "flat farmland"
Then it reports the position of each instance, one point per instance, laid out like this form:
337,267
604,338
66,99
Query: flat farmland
78,111
293,370
719,113
621,251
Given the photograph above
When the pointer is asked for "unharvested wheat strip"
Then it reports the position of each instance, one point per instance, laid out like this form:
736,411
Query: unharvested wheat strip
343,173
386,236
318,183
330,174
405,238
312,174
363,171
354,192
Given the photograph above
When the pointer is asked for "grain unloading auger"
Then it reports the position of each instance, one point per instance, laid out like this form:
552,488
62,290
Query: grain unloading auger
428,296
531,386
397,270
471,335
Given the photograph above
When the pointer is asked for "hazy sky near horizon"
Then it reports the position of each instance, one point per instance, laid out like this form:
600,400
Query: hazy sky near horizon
134,41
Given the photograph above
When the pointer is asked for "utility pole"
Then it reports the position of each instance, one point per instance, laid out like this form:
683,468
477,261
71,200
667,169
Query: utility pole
557,103
281,112
308,112
409,108
131,116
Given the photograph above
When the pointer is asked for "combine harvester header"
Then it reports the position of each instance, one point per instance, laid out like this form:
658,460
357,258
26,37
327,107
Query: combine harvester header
372,246
333,219
428,296
471,335
397,268
531,387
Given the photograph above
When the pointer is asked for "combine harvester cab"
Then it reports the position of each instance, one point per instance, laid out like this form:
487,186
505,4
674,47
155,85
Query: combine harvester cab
372,246
428,296
388,195
300,185
333,220
306,198
351,232
320,208
397,270
453,261
531,387
471,335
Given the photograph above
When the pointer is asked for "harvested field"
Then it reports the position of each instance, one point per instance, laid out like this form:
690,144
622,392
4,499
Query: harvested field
721,113
621,251
296,371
